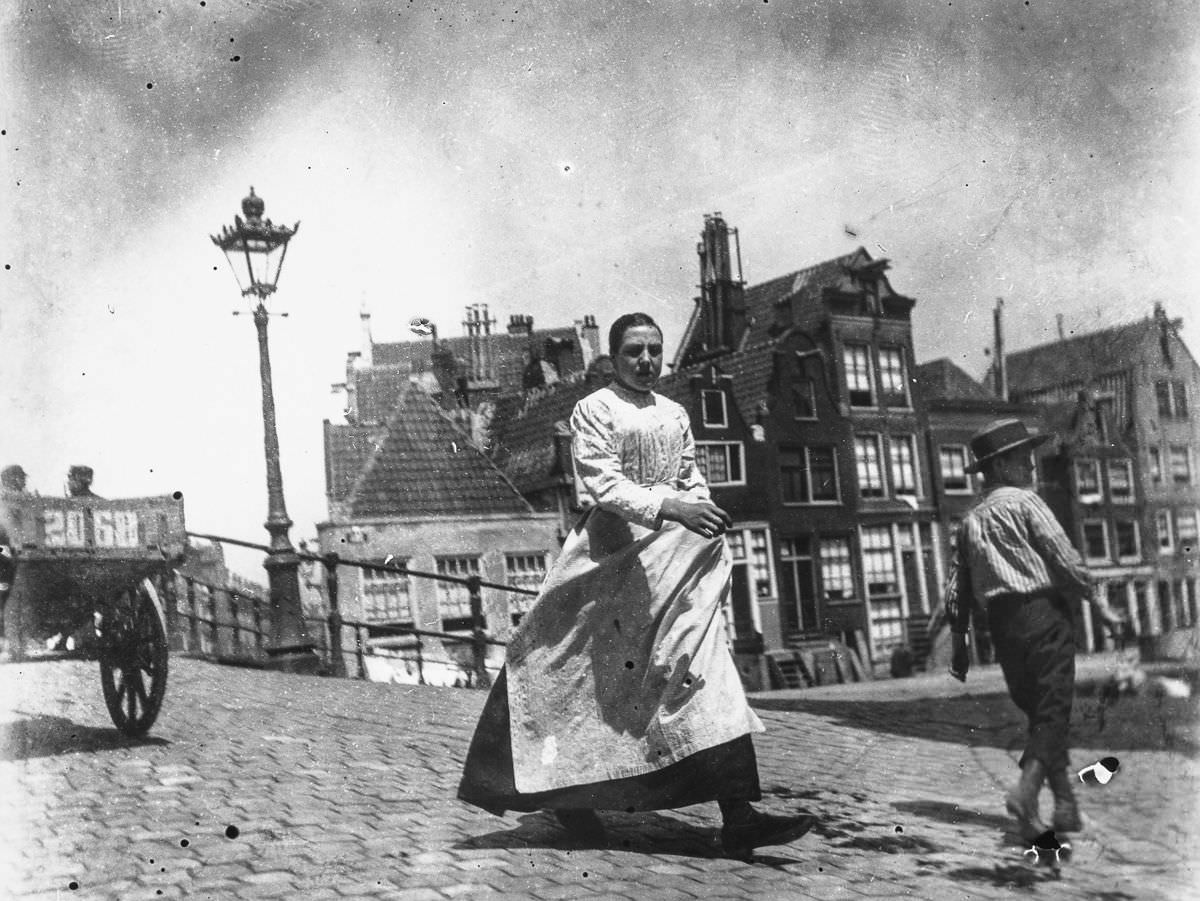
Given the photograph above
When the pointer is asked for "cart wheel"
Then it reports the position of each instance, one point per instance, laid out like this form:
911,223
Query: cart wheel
133,658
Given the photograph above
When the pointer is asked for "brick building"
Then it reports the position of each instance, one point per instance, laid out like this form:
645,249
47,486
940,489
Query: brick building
1139,475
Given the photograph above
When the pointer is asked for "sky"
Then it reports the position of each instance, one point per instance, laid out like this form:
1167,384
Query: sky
553,159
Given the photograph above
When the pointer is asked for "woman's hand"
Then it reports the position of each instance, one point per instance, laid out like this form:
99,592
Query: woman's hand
701,517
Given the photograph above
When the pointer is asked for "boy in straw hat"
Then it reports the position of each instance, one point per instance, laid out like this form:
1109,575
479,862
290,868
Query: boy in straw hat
1012,556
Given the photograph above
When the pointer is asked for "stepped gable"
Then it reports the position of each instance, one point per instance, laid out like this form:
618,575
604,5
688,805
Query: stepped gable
523,431
347,449
942,379
1079,358
426,466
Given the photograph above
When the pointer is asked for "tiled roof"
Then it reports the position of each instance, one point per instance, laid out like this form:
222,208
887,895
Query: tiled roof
941,379
379,387
807,283
425,466
347,449
762,299
1077,359
523,431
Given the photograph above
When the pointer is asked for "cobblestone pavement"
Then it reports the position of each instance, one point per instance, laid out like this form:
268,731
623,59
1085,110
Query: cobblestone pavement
262,785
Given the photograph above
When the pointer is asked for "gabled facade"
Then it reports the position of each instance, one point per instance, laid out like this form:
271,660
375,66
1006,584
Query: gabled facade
821,363
1089,478
1147,385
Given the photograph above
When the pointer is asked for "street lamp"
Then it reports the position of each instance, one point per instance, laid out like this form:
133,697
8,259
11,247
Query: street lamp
255,248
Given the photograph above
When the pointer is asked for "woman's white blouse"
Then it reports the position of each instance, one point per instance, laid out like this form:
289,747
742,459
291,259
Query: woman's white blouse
627,442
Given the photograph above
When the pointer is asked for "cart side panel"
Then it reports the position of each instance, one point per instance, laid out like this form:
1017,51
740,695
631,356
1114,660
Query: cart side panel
67,527
74,554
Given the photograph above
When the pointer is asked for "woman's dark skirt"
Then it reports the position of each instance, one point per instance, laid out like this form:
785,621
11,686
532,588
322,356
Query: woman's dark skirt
725,772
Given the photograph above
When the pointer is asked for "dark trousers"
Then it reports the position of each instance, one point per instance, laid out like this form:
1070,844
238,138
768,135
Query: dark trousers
1034,639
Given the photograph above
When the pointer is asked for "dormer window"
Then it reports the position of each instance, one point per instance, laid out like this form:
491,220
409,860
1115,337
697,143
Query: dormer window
714,413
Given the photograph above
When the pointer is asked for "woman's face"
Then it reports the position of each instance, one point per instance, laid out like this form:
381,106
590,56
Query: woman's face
639,359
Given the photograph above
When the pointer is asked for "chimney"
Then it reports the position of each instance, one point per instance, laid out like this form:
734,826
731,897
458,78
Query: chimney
352,364
1062,335
478,326
1164,331
723,309
520,325
368,345
589,339
1000,367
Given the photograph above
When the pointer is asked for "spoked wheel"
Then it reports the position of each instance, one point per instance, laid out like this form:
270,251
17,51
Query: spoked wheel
133,658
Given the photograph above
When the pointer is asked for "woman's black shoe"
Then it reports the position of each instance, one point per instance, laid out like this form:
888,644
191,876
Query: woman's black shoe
740,839
581,824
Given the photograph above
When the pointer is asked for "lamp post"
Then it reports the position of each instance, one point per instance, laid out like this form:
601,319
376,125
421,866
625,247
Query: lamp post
255,248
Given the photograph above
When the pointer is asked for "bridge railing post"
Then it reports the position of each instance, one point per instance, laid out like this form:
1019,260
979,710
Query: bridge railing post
337,661
193,617
478,635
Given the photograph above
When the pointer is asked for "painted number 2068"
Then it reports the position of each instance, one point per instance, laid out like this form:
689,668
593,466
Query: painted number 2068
110,528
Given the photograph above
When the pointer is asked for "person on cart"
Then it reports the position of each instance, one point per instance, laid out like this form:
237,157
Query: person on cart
12,482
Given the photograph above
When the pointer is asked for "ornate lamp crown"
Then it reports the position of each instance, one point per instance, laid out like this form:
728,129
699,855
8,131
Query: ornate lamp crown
250,246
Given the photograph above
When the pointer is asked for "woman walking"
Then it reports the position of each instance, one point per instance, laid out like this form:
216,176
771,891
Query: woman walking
619,692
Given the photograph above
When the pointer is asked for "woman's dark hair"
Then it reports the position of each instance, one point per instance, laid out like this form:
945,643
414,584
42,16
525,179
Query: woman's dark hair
624,324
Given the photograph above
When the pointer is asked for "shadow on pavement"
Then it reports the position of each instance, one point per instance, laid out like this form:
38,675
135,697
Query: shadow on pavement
641,833
48,736
1143,722
945,812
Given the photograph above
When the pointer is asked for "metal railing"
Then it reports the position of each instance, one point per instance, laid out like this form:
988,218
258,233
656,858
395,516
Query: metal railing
228,623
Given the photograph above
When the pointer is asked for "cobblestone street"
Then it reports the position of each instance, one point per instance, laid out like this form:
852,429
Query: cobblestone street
259,785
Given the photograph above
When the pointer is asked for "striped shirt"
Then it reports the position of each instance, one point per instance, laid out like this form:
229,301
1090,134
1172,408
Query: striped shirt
1010,543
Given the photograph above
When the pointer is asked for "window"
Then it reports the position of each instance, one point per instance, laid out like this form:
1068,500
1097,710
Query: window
879,561
721,462
454,600
712,409
866,459
1087,480
904,465
893,376
1120,480
952,460
1156,471
1185,530
1181,464
804,399
1172,399
1095,539
885,605
385,597
1162,391
1166,535
808,475
758,561
523,571
822,465
1129,545
837,576
859,380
